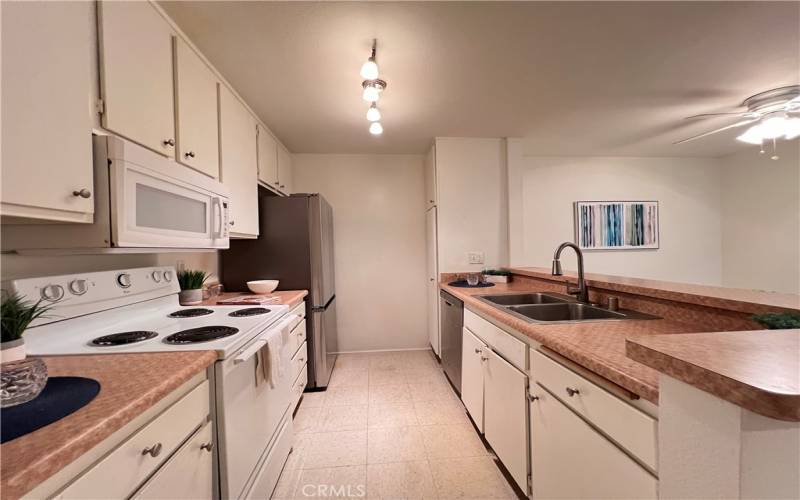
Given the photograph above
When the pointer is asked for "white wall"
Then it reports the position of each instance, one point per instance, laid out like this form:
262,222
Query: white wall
472,202
379,244
543,189
761,220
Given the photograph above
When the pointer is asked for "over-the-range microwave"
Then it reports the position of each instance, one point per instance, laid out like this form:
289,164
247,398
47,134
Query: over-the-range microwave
143,202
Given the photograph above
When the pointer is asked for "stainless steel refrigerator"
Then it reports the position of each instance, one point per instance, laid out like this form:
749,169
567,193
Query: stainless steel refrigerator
295,246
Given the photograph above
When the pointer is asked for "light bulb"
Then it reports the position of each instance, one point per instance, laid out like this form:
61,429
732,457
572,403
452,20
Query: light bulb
373,113
371,93
752,135
369,71
773,127
375,128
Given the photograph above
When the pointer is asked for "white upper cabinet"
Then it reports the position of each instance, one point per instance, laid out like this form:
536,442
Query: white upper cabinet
239,162
196,111
47,132
136,74
430,178
267,158
284,170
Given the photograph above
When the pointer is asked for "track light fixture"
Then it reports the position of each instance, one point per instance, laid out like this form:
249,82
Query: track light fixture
372,86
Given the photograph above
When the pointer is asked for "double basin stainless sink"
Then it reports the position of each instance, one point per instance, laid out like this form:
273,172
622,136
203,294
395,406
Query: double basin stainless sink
554,308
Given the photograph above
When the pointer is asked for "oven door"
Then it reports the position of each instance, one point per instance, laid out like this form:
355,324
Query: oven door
150,209
249,411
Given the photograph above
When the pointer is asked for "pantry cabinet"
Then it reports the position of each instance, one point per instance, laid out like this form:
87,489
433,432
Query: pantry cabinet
136,74
430,178
47,133
239,163
473,352
571,460
267,158
284,170
505,418
197,141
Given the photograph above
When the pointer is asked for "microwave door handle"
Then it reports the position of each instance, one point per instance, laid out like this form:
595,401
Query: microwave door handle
216,208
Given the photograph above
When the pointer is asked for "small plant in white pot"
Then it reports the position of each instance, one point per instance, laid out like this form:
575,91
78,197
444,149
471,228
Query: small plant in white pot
191,282
21,378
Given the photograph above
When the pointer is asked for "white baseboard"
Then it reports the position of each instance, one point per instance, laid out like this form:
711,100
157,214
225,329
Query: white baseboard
385,350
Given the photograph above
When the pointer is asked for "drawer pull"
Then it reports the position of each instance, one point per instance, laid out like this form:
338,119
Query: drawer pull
532,398
478,350
484,358
153,451
207,446
571,391
301,360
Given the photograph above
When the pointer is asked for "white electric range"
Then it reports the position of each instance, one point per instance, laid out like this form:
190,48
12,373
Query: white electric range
137,311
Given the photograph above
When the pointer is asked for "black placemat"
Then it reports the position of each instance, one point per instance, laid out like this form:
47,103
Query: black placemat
60,397
464,284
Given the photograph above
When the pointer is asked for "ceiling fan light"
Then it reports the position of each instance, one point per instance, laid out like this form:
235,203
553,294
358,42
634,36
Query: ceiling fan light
752,135
375,128
792,128
773,127
369,71
373,113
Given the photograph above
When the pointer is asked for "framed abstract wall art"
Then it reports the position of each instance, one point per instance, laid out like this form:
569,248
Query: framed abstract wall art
616,225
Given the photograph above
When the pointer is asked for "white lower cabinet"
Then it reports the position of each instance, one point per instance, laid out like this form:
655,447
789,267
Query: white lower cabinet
472,354
505,419
571,460
187,475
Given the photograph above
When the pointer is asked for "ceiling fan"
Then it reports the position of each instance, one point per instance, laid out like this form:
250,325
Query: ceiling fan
774,114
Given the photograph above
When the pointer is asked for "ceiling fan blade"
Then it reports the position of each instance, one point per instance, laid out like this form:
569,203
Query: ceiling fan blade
708,115
705,134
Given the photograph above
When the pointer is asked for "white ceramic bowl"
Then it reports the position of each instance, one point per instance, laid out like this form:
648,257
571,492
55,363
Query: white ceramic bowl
262,286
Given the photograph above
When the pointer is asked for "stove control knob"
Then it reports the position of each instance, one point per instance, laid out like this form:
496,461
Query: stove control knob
78,287
53,293
124,280
156,276
167,276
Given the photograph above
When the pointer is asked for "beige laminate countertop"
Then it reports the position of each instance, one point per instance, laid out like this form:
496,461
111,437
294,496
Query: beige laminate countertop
129,385
287,297
597,346
757,370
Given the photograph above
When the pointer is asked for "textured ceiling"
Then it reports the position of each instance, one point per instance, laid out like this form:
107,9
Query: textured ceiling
572,78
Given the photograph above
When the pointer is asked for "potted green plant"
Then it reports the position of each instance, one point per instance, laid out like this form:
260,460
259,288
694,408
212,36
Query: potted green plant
16,314
497,276
191,282
21,378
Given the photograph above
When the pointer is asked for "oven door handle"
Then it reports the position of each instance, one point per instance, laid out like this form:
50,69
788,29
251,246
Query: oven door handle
250,351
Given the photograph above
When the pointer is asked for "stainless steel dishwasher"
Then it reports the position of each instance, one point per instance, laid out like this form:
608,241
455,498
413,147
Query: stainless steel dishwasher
452,322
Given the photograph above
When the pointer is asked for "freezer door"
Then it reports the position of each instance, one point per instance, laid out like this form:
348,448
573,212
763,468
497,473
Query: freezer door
324,345
321,238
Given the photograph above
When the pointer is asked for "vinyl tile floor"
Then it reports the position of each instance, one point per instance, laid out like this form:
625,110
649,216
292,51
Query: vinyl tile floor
389,426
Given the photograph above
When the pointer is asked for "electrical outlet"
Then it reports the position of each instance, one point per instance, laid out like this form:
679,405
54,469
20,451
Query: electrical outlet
475,257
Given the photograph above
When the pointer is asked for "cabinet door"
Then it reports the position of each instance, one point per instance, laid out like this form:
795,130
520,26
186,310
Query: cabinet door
187,474
430,178
432,283
472,354
196,111
136,74
239,162
505,418
284,170
570,460
47,131
267,158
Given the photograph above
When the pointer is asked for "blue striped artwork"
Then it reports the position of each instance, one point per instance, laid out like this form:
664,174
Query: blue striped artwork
611,225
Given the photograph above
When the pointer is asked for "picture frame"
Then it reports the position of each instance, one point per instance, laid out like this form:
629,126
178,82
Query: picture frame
617,225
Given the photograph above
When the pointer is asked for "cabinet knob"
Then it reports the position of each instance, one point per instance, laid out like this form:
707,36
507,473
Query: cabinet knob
478,350
301,360
153,451
169,142
572,391
484,358
282,186
277,183
232,223
189,154
83,193
207,446
532,398
430,201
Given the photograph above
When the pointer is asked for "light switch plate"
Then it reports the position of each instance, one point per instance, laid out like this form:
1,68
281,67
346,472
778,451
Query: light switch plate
475,257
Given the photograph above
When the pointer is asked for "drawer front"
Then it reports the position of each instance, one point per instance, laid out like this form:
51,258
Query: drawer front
513,350
267,477
188,474
631,428
120,472
298,388
299,361
298,336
